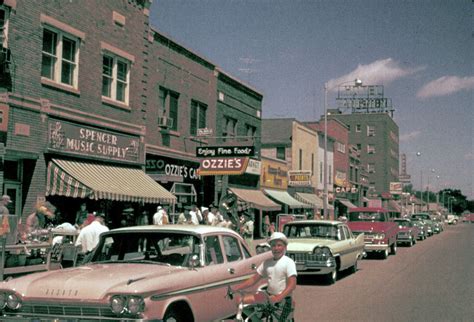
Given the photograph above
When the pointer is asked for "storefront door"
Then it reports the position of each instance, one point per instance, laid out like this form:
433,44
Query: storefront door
14,191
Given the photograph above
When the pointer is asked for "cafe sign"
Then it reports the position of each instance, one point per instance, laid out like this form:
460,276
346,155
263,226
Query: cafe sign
84,140
223,166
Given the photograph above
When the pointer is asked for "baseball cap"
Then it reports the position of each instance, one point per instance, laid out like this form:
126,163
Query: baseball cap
6,198
278,236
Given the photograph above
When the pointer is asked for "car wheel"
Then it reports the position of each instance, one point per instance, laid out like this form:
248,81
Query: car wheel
410,243
331,277
174,316
385,254
414,241
354,267
393,249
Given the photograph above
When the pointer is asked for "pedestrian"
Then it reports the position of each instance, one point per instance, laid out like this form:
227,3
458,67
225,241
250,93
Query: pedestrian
248,229
215,216
205,215
89,236
81,215
185,218
143,219
280,273
196,215
160,217
36,222
4,204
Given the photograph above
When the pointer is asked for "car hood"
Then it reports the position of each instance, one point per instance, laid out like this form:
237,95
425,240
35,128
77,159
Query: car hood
307,244
368,226
93,282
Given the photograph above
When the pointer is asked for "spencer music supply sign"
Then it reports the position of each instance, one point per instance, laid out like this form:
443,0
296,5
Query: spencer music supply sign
84,140
223,166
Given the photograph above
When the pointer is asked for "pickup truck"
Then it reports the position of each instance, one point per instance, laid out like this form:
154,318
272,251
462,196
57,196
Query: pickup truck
379,230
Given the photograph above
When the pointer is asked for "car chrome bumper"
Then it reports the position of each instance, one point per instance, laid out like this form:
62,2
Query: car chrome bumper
315,267
376,247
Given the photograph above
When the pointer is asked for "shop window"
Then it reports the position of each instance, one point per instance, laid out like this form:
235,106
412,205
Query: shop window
280,153
11,170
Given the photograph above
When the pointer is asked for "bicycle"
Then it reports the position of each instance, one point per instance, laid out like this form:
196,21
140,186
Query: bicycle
266,311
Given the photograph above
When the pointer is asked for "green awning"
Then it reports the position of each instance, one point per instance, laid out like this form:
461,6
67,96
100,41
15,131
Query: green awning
309,198
98,181
255,199
285,198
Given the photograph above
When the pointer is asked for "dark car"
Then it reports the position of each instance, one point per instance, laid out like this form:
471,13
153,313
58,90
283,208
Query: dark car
407,231
422,228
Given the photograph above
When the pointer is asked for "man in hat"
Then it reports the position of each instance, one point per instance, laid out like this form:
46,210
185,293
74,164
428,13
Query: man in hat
3,205
89,236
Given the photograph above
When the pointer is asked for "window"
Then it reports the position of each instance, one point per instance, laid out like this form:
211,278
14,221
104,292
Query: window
280,153
213,251
358,128
341,147
198,116
371,168
60,57
370,130
300,159
370,148
4,14
330,174
168,101
250,131
232,249
115,77
230,126
321,171
359,146
312,163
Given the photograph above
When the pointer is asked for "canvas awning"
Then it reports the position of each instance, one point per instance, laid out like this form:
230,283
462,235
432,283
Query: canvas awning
309,198
393,206
255,199
347,203
98,181
285,198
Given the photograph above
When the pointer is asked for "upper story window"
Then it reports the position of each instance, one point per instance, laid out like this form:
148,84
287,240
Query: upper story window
198,116
230,127
371,167
250,131
169,109
280,153
60,57
115,77
4,15
341,147
358,128
370,130
370,148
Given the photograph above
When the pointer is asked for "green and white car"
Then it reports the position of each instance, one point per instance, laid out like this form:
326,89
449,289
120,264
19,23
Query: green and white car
323,247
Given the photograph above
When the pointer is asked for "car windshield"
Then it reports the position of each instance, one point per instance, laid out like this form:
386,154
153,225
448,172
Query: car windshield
421,216
403,223
311,231
175,249
366,216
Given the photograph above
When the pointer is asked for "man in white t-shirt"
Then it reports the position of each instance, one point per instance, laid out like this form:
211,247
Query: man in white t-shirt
89,236
158,216
280,271
196,216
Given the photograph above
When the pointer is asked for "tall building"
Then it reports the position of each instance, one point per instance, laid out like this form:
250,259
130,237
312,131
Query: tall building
375,135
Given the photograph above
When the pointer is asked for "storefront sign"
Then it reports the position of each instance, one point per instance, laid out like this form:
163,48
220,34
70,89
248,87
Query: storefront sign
396,188
274,174
254,167
225,151
223,166
299,178
346,189
340,179
168,169
83,140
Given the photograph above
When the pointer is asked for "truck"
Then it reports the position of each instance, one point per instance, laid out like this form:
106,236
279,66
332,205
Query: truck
380,231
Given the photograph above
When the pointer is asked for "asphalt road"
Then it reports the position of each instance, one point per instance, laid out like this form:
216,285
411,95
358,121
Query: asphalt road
431,281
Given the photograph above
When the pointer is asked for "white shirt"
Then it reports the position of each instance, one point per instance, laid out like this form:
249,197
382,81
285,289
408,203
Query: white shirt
89,236
277,273
195,217
158,217
211,219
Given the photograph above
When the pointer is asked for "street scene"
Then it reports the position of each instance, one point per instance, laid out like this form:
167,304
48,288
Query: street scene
236,160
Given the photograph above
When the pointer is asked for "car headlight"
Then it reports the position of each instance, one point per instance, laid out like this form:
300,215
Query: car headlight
326,252
3,300
135,304
13,301
379,236
117,304
317,251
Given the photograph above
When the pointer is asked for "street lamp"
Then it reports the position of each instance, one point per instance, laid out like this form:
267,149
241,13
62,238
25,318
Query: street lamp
428,190
357,83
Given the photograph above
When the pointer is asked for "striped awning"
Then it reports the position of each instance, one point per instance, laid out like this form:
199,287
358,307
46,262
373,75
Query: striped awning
347,203
285,198
98,181
255,199
309,198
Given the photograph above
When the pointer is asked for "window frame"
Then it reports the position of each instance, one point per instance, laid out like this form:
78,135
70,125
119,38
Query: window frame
197,112
169,105
229,134
280,151
6,23
116,59
58,59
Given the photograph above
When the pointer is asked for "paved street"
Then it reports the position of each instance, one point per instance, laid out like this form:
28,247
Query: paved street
432,281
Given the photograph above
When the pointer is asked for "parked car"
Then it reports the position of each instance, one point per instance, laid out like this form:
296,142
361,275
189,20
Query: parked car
469,218
323,247
422,228
427,220
407,231
438,225
380,232
452,219
166,273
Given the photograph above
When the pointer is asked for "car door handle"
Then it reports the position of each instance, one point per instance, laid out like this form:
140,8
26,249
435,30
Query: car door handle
253,267
231,270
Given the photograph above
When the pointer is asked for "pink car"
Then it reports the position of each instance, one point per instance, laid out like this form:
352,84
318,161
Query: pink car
170,273
407,231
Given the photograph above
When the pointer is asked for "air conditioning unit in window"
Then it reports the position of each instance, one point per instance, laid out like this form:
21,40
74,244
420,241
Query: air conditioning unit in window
165,122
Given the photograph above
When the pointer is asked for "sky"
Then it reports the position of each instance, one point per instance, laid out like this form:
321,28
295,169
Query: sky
420,51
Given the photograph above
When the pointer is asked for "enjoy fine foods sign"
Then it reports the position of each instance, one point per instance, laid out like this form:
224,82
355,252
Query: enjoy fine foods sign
83,140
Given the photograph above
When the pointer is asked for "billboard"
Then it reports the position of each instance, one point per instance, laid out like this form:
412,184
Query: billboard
396,188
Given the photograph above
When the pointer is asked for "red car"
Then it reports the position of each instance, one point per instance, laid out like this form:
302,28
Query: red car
469,218
407,231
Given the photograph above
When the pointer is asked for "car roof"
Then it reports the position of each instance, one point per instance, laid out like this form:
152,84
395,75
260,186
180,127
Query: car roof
195,229
315,221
